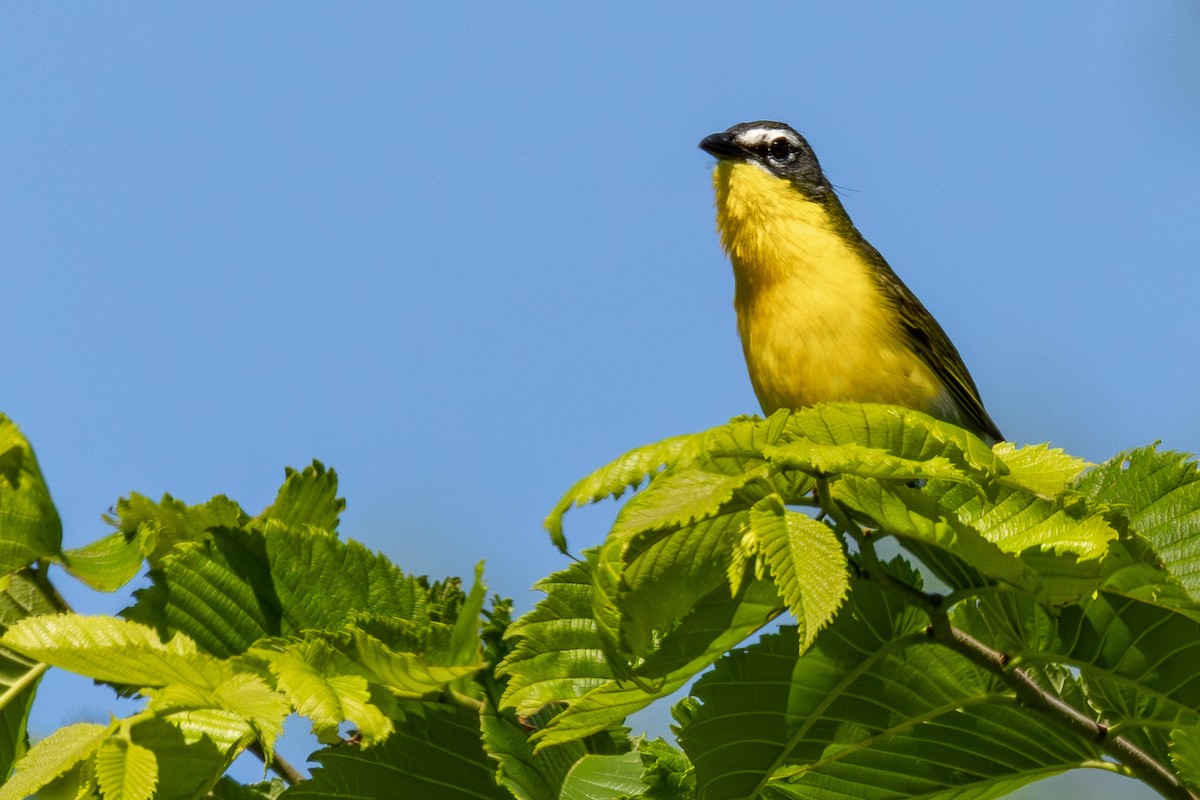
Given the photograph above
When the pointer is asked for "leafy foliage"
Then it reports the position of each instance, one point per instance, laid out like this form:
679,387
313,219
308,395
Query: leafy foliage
30,523
1060,630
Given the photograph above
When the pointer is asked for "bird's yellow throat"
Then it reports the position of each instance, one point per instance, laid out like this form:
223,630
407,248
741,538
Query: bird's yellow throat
814,324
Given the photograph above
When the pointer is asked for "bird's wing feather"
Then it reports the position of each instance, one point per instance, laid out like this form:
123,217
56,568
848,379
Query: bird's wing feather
934,347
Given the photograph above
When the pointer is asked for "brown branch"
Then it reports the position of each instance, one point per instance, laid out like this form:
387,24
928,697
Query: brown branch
1029,692
291,776
1138,762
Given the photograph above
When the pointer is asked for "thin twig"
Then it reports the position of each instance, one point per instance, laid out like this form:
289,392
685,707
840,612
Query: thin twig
291,776
1140,763
462,701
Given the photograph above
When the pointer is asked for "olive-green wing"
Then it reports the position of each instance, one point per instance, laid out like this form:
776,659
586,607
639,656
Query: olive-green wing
934,347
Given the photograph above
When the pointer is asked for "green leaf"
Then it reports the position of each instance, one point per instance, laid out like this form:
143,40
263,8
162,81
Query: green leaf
659,577
432,754
405,674
126,771
307,497
673,542
804,558
684,496
319,682
726,450
1150,649
227,732
1135,658
554,657
464,646
53,757
186,748
218,591
114,650
666,771
201,697
851,458
241,586
109,563
915,517
252,700
229,789
900,431
29,525
626,472
169,521
1040,468
16,700
738,447
1185,754
23,595
1160,495
320,581
605,778
19,676
526,776
716,623
874,709
1015,519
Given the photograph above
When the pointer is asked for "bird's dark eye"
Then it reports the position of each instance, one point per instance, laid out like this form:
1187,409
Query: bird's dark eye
779,149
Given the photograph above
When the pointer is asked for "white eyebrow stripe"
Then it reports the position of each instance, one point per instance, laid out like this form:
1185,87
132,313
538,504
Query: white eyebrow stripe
760,136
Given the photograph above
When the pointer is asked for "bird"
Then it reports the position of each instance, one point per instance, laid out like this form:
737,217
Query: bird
821,315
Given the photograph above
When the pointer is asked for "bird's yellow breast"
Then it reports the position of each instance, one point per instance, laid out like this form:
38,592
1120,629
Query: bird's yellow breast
814,325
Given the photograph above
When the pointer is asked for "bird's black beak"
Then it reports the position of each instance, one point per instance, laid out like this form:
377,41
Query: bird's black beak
720,145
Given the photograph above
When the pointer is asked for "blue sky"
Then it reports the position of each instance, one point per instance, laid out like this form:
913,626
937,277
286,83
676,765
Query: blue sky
464,253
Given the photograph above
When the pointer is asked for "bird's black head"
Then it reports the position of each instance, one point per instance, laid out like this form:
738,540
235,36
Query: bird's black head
775,147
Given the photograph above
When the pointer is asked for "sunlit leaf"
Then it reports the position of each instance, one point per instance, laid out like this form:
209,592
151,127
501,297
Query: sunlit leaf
604,778
189,758
126,771
1159,493
626,472
804,558
29,525
555,655
307,497
818,458
913,515
115,650
217,591
238,586
1015,520
1039,468
109,563
320,684
168,522
23,596
52,757
666,772
900,431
